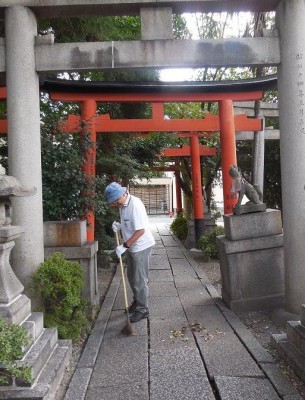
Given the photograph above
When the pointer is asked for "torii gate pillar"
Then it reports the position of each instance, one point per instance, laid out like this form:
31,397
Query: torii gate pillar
24,149
228,152
196,187
178,189
291,85
88,115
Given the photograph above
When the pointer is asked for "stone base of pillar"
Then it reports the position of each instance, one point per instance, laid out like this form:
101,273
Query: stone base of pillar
204,226
252,261
291,346
86,255
17,310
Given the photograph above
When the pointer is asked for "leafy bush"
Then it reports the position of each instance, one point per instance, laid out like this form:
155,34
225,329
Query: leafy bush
60,284
207,243
13,339
180,227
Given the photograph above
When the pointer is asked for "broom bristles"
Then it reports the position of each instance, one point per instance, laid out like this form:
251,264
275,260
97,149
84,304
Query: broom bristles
127,330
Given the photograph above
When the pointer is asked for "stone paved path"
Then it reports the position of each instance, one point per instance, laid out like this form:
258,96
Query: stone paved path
191,348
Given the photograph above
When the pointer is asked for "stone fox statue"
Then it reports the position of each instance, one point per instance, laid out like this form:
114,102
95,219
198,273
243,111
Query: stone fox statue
242,187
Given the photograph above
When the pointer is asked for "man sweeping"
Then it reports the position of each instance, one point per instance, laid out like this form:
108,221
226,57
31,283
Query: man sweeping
138,244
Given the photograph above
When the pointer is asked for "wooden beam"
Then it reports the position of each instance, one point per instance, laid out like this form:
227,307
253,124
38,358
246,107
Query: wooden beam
185,151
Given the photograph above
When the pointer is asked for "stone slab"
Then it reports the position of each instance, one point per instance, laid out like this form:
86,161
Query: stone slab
174,252
79,384
249,208
163,289
161,275
122,359
166,307
134,391
170,334
258,352
16,311
233,388
159,261
209,318
171,373
194,297
229,246
247,226
224,355
280,381
169,241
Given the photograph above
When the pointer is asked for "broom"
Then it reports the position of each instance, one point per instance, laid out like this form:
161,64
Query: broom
127,330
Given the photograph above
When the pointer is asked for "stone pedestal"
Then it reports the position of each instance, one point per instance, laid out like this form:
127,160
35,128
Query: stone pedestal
252,261
86,255
291,346
64,233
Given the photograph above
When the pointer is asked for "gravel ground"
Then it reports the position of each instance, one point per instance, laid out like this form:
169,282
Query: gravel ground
259,322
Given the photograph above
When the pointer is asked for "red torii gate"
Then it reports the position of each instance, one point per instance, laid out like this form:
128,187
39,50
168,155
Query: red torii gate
195,154
226,123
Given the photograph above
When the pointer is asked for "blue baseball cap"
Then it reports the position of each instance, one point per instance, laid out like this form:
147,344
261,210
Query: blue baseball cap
114,191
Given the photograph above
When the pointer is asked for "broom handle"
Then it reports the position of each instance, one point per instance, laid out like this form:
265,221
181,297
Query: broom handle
122,272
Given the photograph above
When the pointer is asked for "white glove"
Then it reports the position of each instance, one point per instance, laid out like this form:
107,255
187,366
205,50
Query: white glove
120,250
116,226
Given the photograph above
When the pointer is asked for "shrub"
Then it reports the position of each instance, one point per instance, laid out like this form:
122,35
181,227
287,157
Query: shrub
180,227
13,339
60,284
208,245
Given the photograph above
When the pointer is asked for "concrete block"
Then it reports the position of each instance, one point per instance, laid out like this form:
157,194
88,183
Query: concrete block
64,233
296,335
292,356
247,226
253,280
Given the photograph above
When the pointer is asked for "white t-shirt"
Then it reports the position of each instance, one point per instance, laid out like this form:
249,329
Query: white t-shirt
134,217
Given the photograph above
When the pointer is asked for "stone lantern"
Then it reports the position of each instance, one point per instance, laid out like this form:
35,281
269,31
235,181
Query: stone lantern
12,306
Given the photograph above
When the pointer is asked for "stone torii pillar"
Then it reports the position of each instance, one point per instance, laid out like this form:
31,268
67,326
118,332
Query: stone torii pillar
291,85
24,149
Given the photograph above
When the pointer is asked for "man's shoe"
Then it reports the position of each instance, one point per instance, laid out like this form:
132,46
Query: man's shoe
132,307
138,315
